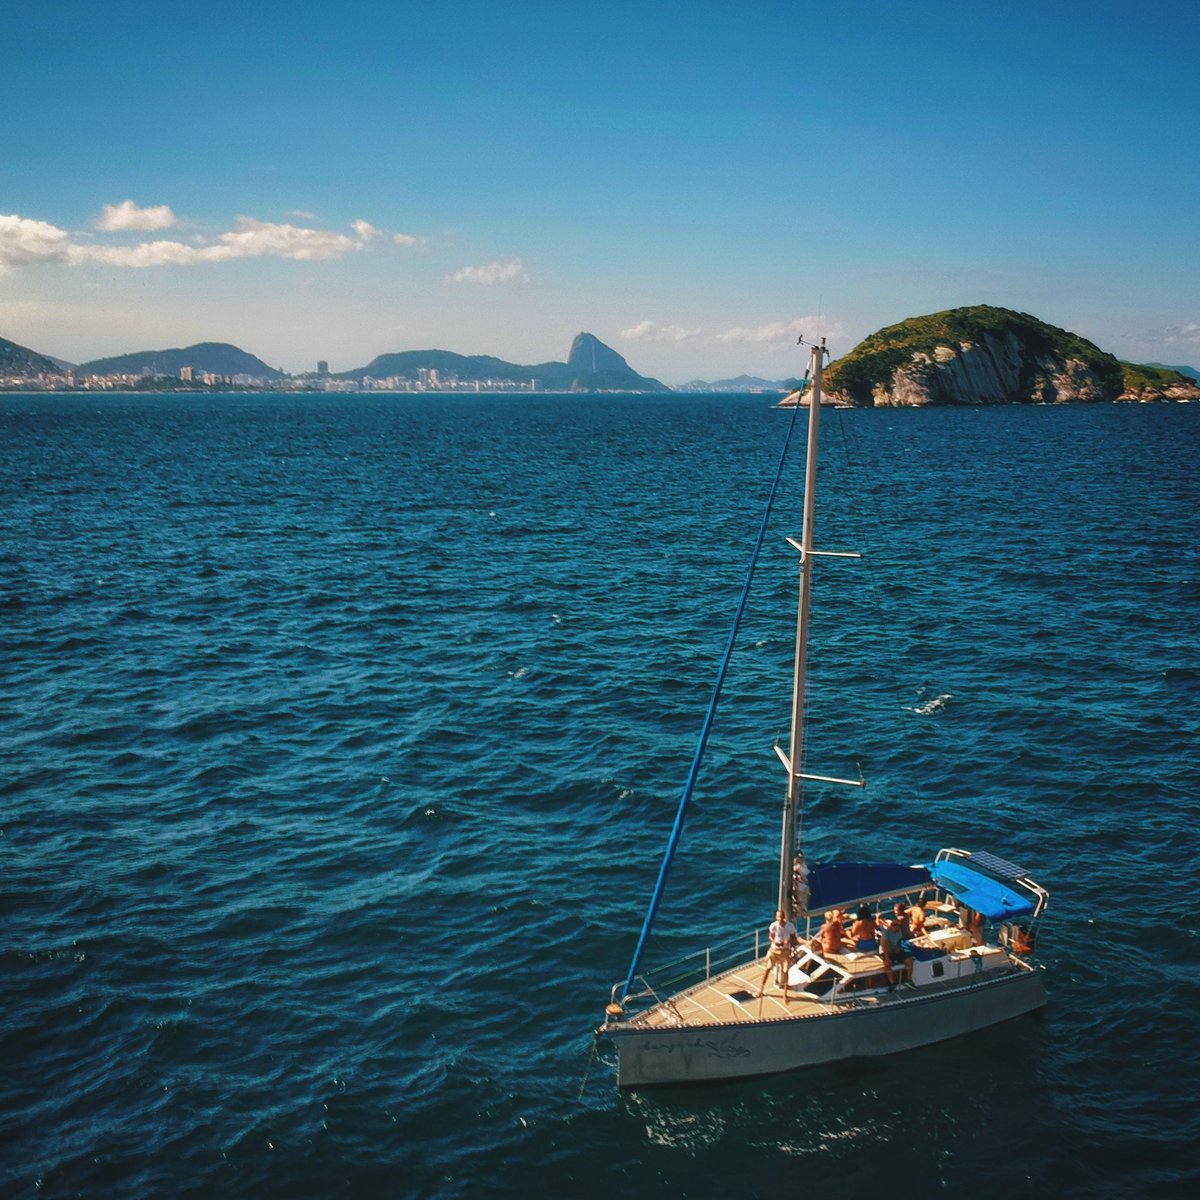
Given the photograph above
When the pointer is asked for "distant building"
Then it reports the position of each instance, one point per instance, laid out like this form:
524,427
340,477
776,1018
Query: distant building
322,368
185,373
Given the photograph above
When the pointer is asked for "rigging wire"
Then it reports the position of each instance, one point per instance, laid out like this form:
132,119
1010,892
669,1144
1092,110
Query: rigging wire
689,786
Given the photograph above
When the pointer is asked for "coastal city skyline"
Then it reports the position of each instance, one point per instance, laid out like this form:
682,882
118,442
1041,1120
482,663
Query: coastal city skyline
697,191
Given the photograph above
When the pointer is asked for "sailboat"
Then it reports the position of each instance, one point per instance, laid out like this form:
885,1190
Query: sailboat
955,938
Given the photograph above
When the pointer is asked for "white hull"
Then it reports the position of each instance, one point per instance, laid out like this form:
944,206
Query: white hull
900,1020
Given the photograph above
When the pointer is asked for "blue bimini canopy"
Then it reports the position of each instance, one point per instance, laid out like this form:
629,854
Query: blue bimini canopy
838,884
997,900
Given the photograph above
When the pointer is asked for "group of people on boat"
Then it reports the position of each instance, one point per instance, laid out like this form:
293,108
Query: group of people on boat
887,934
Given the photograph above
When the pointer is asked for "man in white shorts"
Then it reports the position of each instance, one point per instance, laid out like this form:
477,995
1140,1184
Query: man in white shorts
783,938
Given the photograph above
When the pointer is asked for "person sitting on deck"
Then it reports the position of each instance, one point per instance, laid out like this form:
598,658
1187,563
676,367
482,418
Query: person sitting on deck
1022,940
865,933
783,938
916,920
831,938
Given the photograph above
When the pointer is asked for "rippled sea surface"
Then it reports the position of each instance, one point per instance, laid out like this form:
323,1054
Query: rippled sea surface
341,738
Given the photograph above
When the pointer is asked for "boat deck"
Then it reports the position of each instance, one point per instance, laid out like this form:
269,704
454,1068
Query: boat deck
732,996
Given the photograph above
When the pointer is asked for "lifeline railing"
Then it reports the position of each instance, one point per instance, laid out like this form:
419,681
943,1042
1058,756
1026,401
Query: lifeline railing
692,969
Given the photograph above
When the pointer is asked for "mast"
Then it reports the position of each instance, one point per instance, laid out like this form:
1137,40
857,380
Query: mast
794,760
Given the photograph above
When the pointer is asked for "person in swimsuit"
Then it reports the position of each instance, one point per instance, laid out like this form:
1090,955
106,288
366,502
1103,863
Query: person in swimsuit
863,932
916,920
783,938
1022,940
831,937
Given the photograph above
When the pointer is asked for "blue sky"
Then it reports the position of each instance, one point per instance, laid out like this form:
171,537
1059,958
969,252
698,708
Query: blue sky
694,185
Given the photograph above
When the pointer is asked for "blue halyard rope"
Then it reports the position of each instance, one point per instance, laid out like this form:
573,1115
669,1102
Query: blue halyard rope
677,829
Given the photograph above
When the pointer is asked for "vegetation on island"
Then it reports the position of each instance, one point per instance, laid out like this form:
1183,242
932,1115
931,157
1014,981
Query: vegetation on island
217,358
874,360
1141,377
20,360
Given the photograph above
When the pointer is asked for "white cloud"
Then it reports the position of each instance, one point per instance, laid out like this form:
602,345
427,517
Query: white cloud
776,331
647,331
491,274
1188,335
144,254
23,241
127,215
407,239
254,239
779,332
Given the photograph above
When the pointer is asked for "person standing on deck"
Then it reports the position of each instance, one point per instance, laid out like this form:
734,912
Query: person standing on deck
892,932
783,938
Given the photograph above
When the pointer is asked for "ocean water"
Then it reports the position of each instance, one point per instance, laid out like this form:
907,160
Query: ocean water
340,738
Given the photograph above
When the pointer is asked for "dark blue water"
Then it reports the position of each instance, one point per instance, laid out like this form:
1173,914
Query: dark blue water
341,738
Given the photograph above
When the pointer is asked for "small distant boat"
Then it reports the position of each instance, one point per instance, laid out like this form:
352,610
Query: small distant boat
954,948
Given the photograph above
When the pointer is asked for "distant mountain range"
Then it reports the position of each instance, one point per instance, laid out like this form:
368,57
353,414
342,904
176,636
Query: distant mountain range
216,358
591,366
740,383
18,360
1190,372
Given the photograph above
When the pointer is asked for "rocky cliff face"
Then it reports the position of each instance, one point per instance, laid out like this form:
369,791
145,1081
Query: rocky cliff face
972,356
589,353
1178,393
995,369
593,367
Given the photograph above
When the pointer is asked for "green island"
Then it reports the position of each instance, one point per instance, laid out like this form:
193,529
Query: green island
982,354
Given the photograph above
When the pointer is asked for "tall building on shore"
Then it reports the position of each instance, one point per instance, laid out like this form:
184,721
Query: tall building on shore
322,368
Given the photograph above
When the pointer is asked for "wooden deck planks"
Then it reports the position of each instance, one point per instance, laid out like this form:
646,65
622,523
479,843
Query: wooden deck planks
712,1003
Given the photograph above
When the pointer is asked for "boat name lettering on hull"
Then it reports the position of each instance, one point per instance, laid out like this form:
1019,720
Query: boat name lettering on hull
729,1047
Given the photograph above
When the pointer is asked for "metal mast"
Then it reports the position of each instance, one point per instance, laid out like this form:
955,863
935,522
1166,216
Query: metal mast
790,859
795,756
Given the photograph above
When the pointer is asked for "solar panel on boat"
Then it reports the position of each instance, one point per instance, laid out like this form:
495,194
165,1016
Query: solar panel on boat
999,867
